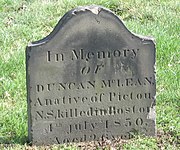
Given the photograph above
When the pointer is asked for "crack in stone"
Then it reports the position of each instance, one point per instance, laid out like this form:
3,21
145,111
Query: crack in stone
93,8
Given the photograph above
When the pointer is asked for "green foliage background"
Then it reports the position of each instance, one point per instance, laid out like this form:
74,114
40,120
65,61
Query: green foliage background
24,21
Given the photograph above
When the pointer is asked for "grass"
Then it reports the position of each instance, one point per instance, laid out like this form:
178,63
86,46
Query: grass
24,21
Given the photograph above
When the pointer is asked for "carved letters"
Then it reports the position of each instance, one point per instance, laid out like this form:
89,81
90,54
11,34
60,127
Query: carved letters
92,55
90,80
112,83
96,98
76,113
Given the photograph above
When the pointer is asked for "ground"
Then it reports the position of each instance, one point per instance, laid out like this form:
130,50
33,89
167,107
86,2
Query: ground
24,21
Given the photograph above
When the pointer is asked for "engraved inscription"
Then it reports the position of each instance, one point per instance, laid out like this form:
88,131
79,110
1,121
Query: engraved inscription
92,111
113,83
87,56
97,98
55,57
90,80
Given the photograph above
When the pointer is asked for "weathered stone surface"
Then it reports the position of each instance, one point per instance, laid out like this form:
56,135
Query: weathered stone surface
90,78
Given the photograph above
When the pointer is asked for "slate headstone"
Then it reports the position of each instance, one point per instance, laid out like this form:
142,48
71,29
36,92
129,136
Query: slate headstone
91,78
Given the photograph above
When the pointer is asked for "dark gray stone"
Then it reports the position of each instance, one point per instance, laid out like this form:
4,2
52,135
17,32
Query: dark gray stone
90,78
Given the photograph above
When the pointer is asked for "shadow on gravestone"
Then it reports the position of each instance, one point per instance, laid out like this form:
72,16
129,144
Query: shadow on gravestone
90,78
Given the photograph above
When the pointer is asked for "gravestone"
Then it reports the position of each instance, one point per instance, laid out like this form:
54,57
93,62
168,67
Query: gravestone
91,78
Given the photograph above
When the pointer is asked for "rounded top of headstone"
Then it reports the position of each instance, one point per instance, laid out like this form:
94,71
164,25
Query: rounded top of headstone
100,14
